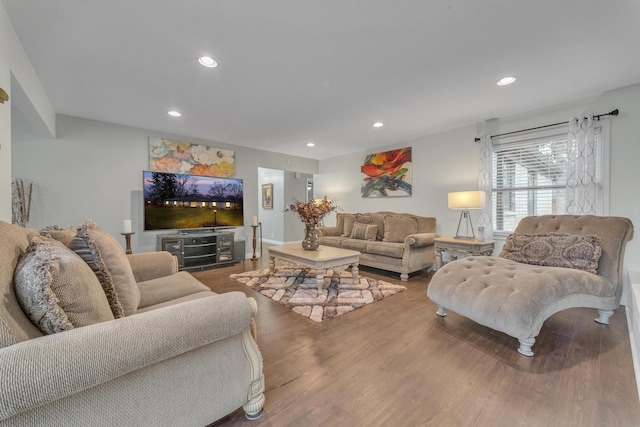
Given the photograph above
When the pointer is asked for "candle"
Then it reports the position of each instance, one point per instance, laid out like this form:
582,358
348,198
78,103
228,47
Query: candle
127,226
254,221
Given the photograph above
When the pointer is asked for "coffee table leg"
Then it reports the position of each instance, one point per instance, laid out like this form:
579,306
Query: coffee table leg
354,272
320,279
272,264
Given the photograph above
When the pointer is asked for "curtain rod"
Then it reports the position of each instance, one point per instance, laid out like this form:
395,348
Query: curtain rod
597,117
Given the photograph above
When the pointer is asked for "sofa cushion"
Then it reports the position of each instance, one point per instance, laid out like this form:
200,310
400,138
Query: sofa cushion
355,245
364,231
347,227
554,250
378,219
85,247
335,241
364,218
389,249
169,288
57,289
398,227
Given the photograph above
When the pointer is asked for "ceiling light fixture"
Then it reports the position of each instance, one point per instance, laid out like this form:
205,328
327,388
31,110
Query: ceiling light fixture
207,61
506,81
174,113
377,124
310,144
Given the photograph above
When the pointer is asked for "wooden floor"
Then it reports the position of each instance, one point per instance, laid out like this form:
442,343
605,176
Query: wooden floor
396,363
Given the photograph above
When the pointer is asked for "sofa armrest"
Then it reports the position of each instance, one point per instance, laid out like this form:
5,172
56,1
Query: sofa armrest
152,265
327,231
420,239
45,369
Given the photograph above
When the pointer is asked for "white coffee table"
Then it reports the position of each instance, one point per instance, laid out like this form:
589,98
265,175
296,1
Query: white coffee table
321,259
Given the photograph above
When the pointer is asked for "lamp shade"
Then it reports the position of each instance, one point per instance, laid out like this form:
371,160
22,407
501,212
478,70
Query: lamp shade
467,200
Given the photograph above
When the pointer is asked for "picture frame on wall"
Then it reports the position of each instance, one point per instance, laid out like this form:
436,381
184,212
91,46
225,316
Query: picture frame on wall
267,196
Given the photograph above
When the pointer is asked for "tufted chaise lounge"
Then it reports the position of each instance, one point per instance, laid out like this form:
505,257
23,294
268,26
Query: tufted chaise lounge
516,298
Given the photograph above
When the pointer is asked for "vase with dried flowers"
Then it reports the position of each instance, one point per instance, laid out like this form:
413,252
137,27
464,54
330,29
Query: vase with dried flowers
312,213
20,202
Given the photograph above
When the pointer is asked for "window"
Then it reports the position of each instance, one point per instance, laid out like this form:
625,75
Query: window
529,177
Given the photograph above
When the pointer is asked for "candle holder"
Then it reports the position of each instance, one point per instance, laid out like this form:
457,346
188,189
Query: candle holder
127,239
255,240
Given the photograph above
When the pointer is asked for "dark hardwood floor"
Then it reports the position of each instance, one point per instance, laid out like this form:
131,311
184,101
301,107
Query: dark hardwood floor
396,363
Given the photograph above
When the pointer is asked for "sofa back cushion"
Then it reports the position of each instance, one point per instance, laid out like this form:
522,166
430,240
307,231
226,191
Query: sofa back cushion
398,227
57,289
15,327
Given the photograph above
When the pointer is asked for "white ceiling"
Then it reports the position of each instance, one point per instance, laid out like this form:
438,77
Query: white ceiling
293,71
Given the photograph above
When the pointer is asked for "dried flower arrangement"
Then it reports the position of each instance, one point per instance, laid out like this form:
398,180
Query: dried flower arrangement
21,202
311,213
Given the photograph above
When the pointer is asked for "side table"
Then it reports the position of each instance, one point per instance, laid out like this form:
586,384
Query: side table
461,247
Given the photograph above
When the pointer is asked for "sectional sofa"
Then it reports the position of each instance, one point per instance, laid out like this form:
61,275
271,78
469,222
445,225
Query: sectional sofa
398,242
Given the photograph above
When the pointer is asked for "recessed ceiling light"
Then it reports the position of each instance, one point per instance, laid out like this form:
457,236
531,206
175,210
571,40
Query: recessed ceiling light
310,144
506,81
173,113
377,124
207,61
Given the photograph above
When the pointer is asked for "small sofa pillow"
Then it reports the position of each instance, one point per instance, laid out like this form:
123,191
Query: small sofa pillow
554,250
86,248
398,227
364,231
57,290
349,220
61,234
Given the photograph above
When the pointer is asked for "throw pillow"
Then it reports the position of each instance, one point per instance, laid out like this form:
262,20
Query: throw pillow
61,234
85,247
364,231
349,220
117,264
398,227
56,288
554,250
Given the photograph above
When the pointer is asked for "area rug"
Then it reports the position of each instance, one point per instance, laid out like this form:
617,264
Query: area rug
295,288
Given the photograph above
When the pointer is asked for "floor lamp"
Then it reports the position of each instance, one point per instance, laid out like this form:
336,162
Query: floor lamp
466,201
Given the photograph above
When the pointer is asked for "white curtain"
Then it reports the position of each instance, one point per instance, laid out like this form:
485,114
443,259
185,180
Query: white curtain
583,183
485,218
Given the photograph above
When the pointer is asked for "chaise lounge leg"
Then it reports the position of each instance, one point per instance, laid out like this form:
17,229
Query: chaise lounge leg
604,316
441,311
404,277
525,346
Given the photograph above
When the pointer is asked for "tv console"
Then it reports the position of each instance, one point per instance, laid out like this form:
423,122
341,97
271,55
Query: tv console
199,250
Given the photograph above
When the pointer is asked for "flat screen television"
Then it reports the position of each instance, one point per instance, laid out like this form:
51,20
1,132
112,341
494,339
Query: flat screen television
174,201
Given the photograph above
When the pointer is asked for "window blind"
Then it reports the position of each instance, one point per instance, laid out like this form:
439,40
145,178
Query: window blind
529,178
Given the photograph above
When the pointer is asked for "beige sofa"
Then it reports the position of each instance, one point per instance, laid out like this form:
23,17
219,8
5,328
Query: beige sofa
165,351
399,242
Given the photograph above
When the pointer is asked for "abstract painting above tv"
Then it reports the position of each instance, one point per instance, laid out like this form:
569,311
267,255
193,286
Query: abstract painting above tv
175,201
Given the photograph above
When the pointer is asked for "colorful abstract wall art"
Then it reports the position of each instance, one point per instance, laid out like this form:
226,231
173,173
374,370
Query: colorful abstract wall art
387,174
170,156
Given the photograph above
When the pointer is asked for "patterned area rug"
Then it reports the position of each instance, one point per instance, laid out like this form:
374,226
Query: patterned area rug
295,288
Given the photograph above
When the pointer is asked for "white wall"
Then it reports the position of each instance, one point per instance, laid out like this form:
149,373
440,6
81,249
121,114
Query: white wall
450,162
15,67
442,163
93,170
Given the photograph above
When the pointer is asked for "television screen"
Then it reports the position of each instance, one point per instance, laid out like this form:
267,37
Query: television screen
181,201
